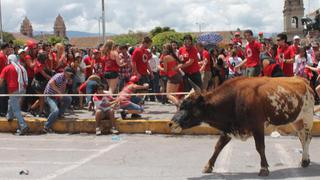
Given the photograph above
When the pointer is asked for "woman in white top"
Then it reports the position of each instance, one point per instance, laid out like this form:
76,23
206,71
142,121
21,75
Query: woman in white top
234,62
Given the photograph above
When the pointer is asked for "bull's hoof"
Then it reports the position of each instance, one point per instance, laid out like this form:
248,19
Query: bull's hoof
305,163
264,172
207,169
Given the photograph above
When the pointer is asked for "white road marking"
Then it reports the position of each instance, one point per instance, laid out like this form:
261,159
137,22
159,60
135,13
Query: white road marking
82,162
224,159
287,160
48,149
37,162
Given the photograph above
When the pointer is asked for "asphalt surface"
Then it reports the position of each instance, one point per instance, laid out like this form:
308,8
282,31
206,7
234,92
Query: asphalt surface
148,157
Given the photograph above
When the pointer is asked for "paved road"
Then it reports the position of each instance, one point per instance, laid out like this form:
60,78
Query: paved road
147,157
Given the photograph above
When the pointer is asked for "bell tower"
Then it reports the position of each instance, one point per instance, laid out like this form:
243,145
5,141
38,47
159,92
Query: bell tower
292,14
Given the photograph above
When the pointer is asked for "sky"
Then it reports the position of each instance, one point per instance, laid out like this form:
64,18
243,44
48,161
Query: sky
143,15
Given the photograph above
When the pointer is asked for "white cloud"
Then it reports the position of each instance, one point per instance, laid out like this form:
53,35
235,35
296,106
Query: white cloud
143,15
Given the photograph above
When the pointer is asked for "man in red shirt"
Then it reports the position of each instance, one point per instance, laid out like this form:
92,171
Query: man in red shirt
252,54
188,54
3,88
205,65
285,55
16,78
140,58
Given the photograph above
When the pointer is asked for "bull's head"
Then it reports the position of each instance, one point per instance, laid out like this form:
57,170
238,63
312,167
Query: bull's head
190,111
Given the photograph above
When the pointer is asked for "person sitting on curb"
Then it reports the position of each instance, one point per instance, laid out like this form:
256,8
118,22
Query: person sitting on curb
57,104
16,78
131,104
88,87
104,106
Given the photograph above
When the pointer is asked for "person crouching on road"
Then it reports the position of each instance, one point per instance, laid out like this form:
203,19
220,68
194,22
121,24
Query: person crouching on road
131,104
16,78
88,87
57,104
104,109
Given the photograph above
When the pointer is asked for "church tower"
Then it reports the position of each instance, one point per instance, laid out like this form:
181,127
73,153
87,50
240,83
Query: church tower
292,13
59,27
26,27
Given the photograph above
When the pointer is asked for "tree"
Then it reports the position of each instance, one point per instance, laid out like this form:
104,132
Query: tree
55,39
132,38
8,37
167,37
158,30
19,42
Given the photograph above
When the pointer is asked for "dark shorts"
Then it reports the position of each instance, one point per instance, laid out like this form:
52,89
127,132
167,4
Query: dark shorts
176,79
111,75
38,86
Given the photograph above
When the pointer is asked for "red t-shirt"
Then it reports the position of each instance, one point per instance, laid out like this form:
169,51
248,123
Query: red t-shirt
38,67
285,53
294,48
30,71
190,54
3,61
253,53
205,55
87,60
140,57
83,87
10,74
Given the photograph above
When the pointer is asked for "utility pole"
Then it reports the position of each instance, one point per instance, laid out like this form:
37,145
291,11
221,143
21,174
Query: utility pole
200,26
1,33
103,23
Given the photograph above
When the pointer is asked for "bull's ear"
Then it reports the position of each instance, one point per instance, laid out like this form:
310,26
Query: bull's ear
196,88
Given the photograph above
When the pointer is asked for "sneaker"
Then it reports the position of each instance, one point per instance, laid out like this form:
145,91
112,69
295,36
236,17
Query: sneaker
47,130
113,130
22,132
135,116
98,132
10,119
123,115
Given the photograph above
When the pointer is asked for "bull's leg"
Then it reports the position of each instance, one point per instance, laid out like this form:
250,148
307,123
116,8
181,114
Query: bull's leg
303,129
260,146
223,140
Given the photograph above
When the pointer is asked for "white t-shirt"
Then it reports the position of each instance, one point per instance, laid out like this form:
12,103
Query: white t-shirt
234,61
154,62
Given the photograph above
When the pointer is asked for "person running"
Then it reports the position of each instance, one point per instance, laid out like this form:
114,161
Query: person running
171,68
16,78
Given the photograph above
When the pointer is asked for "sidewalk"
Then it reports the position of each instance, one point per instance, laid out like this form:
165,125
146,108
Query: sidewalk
155,119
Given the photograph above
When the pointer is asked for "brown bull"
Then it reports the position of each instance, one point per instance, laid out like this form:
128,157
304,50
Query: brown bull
243,106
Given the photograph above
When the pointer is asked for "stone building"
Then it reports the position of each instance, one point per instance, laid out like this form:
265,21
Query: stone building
292,13
26,28
59,27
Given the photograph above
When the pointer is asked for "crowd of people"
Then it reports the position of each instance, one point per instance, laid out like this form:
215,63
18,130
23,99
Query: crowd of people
112,72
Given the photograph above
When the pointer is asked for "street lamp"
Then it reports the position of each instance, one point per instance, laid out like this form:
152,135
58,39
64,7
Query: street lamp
99,24
103,23
1,33
200,26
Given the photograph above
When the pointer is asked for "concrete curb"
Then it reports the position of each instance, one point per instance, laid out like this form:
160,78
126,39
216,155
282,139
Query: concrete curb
128,126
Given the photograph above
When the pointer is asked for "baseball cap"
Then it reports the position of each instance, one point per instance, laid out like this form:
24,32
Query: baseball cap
20,51
296,37
77,55
260,33
237,33
69,70
95,51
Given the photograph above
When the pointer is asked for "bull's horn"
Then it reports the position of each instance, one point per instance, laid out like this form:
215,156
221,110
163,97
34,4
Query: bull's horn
196,88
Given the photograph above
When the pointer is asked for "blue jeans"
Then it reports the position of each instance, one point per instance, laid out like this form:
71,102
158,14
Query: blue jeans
90,89
54,109
14,109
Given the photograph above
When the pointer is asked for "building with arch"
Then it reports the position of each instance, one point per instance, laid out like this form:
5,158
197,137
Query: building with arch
292,14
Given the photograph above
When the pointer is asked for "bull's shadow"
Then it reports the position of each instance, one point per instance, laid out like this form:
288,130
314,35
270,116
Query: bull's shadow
313,171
